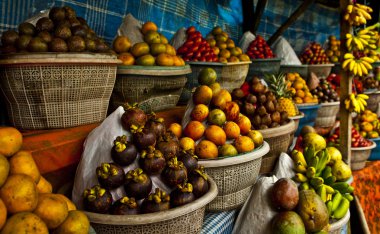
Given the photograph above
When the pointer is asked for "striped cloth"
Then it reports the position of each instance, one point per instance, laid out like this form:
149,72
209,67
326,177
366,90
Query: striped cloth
219,223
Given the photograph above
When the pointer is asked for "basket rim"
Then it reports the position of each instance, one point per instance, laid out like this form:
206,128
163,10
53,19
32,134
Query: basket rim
142,219
250,156
339,224
314,105
300,116
153,70
307,65
372,92
329,104
266,60
365,148
218,63
282,130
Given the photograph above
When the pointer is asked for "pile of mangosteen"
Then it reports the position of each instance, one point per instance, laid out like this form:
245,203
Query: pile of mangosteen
158,153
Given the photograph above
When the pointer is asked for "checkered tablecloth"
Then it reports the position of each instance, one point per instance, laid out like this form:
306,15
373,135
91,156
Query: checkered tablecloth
219,223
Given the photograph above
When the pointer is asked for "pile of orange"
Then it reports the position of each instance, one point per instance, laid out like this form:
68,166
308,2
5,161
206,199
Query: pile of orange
299,89
27,204
217,128
154,51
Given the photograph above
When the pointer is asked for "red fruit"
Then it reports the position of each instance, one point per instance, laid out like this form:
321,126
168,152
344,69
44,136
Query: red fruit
190,29
188,44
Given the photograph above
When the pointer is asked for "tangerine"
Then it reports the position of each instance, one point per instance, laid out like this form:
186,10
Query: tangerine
257,137
202,95
170,50
164,60
176,129
199,113
140,49
244,144
194,130
10,141
148,26
244,124
126,58
121,44
231,129
215,134
215,87
186,143
205,149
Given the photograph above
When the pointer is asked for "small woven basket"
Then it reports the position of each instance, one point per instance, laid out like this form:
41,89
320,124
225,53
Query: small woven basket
57,90
234,178
278,140
373,101
154,88
187,219
230,76
260,67
339,225
326,115
359,156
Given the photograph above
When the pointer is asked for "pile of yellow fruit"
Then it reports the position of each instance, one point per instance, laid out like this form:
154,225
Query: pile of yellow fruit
27,204
333,51
298,87
369,125
154,51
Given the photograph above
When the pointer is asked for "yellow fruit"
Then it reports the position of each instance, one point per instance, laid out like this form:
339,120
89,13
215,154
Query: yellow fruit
186,143
244,144
365,126
51,209
164,60
233,59
75,223
244,124
170,50
4,170
69,203
146,60
206,150
215,87
232,130
23,163
217,117
199,113
19,193
256,137
164,40
176,129
244,57
10,141
222,60
157,48
202,95
3,214
126,58
225,53
148,26
151,37
140,49
121,44
216,135
216,30
44,186
194,130
25,222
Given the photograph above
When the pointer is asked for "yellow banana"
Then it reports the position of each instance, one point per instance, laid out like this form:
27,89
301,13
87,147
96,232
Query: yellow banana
354,103
367,59
364,13
364,36
358,43
346,17
359,70
352,64
366,64
361,106
347,103
346,62
363,32
348,43
349,8
364,7
362,20
348,56
363,96
363,41
355,70
363,68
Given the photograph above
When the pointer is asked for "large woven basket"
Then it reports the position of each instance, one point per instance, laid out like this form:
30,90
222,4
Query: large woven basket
296,120
234,178
230,76
320,70
260,67
187,219
154,88
373,101
57,90
278,140
359,156
340,225
326,115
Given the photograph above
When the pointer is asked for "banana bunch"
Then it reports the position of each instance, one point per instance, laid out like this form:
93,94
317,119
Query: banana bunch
364,39
312,172
357,14
358,66
356,103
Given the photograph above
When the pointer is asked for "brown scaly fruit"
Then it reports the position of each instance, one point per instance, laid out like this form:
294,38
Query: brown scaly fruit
277,84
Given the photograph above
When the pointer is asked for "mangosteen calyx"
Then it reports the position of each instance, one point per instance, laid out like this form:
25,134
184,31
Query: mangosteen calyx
201,171
137,176
120,143
151,152
185,187
173,163
159,196
130,202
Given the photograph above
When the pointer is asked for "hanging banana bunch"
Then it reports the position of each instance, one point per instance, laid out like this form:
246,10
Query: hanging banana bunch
356,103
357,65
357,14
364,39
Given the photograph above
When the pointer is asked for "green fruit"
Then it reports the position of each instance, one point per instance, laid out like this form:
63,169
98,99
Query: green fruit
288,222
76,44
26,29
157,48
146,60
341,171
217,117
227,150
316,140
37,45
58,45
207,76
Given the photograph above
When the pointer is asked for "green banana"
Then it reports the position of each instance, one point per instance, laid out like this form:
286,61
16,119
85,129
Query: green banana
323,159
342,187
348,196
350,189
314,162
329,207
298,156
321,191
300,178
330,180
336,200
329,189
326,173
316,182
309,153
342,209
304,186
310,172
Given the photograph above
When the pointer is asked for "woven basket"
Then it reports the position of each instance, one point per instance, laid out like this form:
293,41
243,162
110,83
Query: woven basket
260,67
326,115
184,219
230,76
373,101
154,88
234,178
359,156
57,90
278,140
320,70
375,152
339,225
296,120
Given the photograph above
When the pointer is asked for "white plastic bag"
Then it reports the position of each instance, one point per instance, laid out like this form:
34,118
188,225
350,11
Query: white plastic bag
282,49
179,38
245,40
284,167
131,27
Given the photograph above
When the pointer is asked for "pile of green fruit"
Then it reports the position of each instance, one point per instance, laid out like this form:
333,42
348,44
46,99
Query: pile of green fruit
62,31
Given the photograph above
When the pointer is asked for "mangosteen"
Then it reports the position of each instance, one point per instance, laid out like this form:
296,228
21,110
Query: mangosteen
182,195
97,199
155,202
110,175
175,172
152,161
125,206
198,179
168,147
138,184
189,159
133,116
156,125
123,152
256,120
143,137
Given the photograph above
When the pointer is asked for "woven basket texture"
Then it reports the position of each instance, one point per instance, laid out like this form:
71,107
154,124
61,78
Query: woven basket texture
186,224
153,93
360,155
260,67
230,76
49,96
337,227
234,184
278,140
326,115
373,101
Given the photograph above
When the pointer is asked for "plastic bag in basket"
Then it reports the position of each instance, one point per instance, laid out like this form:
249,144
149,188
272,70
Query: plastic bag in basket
284,167
179,38
282,49
97,149
245,40
130,27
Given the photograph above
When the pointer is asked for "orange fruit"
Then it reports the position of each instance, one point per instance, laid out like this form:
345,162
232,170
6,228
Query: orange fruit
145,60
44,186
202,95
298,85
207,76
211,42
177,61
222,60
232,111
215,134
215,87
298,100
140,49
225,53
217,30
290,76
221,38
244,57
206,149
244,124
217,117
300,93
164,60
199,113
148,26
231,129
194,130
121,44
10,141
216,50
257,137
157,48
164,40
186,143
233,59
170,50
230,43
176,129
151,37
3,213
225,94
126,58
221,45
244,144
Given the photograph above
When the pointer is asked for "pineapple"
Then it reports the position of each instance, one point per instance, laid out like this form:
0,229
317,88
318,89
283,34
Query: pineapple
277,84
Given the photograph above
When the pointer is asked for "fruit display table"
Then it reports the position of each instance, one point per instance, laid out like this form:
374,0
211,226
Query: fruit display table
367,189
